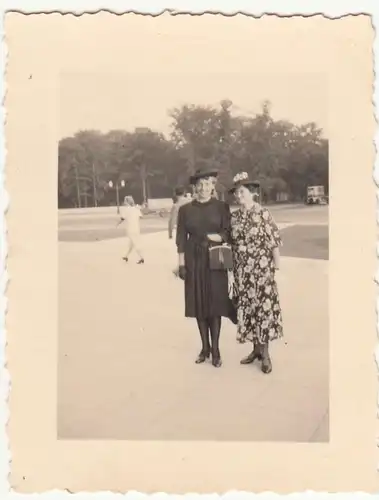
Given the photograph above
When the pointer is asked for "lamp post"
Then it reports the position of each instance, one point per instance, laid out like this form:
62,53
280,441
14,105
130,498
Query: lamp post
117,187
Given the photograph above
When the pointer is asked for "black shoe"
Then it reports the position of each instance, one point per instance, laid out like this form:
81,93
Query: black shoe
203,356
216,361
125,259
251,358
266,365
141,261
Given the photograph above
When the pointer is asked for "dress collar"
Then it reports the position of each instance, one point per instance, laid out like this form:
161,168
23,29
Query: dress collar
203,203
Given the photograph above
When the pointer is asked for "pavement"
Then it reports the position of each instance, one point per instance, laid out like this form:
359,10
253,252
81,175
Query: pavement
305,229
126,354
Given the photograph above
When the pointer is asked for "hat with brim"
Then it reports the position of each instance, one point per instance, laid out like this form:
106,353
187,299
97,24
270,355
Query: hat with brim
243,180
202,173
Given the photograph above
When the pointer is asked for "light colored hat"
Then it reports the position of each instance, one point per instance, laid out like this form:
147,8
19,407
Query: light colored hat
242,179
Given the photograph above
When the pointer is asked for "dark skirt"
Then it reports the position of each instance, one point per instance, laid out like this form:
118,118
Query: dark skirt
206,290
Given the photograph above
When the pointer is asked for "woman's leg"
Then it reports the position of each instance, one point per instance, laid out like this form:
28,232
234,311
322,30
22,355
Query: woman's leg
203,326
215,328
266,360
256,353
129,248
137,247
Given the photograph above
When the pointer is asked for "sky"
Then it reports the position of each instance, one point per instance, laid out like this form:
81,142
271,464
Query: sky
142,66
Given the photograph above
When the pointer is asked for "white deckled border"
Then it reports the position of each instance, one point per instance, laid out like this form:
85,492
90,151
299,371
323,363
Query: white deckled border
256,8
4,376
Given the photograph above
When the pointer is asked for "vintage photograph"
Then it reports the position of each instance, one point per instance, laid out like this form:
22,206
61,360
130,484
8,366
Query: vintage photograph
193,230
191,253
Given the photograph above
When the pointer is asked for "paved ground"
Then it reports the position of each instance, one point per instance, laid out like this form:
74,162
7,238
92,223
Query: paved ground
307,236
126,354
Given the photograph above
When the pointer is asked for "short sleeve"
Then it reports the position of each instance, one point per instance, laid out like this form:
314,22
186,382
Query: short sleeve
271,230
181,230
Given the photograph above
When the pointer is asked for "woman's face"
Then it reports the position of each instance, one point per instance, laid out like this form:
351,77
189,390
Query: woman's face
244,196
204,187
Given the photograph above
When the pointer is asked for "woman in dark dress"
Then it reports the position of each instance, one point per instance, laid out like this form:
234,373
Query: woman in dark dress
201,223
255,242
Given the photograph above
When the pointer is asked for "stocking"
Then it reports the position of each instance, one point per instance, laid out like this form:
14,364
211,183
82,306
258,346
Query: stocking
204,334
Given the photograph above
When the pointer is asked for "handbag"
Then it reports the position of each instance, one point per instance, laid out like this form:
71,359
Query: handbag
220,258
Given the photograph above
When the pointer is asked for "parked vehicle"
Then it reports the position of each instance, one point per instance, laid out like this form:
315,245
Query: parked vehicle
316,195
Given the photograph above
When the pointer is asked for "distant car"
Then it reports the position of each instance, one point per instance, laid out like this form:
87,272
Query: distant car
316,195
320,200
323,200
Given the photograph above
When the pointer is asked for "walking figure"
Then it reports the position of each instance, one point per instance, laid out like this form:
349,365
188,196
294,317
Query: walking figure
131,215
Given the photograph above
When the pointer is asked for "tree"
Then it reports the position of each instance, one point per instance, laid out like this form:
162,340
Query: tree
195,132
147,154
283,156
80,163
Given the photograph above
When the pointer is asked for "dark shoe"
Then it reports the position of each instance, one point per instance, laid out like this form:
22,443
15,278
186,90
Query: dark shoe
125,259
216,360
266,365
251,358
203,356
141,261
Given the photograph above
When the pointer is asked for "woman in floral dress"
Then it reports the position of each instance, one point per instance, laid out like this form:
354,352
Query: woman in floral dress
255,242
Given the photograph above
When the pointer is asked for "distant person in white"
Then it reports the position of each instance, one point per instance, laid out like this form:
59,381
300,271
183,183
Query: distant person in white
130,216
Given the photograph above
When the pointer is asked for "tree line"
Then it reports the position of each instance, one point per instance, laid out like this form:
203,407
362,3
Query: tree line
284,157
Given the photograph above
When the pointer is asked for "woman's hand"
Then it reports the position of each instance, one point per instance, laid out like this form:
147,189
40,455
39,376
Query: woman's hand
214,237
182,272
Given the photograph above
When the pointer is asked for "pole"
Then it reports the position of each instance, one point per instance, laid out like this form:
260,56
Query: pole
77,186
144,196
94,184
117,199
143,181
148,194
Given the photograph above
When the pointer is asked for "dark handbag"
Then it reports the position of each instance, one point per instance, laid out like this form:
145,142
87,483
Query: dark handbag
233,304
233,308
220,258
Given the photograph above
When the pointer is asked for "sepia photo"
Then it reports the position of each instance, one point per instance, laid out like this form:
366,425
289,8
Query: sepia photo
200,202
236,163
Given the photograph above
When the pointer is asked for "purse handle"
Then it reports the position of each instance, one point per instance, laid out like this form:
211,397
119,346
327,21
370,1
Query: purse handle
222,245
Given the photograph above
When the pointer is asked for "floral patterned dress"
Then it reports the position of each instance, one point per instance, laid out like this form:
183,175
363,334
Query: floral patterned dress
254,236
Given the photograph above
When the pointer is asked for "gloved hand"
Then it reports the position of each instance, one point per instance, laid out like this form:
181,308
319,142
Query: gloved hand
182,273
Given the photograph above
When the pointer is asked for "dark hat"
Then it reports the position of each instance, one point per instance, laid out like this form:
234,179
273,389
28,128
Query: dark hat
203,172
242,179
